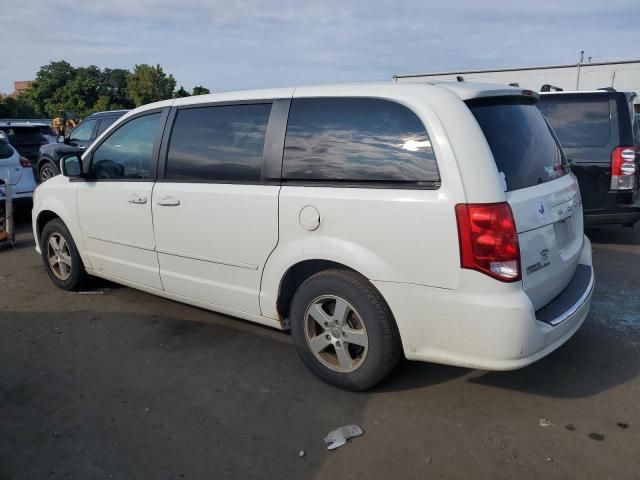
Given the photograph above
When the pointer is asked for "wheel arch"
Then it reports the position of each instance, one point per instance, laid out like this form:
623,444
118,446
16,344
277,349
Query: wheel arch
298,272
51,208
295,275
43,158
44,217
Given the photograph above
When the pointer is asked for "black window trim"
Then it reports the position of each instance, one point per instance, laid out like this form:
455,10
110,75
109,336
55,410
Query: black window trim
164,113
383,184
270,171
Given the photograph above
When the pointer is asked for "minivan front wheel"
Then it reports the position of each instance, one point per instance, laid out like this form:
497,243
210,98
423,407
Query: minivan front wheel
343,330
60,256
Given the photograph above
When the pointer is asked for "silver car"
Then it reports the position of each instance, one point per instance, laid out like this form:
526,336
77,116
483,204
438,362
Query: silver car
16,171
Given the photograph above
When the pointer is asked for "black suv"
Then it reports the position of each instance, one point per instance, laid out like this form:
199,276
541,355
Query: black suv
600,135
25,138
78,139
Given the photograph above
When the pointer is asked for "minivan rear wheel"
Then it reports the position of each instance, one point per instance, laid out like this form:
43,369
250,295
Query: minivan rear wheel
343,330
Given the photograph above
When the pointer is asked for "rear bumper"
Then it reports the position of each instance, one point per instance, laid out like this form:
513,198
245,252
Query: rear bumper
621,208
488,325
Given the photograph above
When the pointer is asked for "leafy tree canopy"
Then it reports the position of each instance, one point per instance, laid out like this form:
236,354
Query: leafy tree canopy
149,84
60,86
200,90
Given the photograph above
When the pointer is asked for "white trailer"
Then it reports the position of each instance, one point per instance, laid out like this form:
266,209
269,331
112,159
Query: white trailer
622,75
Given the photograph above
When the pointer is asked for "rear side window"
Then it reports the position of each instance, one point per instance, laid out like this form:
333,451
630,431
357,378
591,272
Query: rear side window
218,144
357,140
524,149
578,120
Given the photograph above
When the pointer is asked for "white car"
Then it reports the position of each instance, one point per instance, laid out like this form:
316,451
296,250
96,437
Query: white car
435,221
16,171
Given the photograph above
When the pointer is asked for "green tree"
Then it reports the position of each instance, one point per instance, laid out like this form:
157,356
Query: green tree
149,84
44,93
80,93
200,90
18,107
180,93
113,86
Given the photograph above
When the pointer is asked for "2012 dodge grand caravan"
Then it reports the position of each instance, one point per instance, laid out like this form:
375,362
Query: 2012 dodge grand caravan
439,222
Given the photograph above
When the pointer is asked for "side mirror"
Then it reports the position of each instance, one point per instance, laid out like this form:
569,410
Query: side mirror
71,166
60,139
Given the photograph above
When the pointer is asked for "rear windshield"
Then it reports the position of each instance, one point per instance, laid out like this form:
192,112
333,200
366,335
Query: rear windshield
5,150
578,120
23,135
523,146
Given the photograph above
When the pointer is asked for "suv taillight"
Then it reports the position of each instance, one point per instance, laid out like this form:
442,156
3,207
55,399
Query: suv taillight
488,240
623,168
25,163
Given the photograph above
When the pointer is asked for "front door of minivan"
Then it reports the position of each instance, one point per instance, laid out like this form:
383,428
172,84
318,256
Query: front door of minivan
215,219
114,203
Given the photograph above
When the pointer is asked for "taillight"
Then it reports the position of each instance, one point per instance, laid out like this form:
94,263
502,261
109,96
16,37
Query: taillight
623,168
488,240
24,163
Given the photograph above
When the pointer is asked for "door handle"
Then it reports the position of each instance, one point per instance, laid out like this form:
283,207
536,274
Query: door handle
137,199
168,201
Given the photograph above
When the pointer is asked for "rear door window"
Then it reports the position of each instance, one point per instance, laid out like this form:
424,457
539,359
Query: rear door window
357,140
524,149
578,120
218,144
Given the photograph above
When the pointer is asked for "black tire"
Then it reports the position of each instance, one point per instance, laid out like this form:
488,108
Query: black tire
47,166
383,349
77,276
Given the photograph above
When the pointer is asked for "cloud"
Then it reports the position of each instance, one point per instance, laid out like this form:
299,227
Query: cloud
251,44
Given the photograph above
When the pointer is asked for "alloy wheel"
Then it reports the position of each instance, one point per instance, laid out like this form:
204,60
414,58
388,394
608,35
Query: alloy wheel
59,256
335,333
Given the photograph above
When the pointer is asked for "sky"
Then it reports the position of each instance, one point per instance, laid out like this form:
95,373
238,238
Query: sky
232,45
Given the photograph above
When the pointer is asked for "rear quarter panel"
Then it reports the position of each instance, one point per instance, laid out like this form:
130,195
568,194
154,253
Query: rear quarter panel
391,235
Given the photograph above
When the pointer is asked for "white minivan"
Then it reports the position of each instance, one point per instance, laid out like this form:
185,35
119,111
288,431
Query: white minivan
436,221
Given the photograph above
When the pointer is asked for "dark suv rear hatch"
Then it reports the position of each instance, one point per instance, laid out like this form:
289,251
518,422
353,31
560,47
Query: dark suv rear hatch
590,126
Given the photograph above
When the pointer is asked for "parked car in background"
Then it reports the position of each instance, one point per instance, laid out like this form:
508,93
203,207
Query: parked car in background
600,135
78,139
16,171
48,132
372,220
25,138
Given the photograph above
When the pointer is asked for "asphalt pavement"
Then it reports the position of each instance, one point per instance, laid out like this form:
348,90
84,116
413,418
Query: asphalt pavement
126,385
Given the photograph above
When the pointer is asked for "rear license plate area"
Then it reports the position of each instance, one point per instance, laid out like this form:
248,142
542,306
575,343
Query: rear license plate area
565,232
